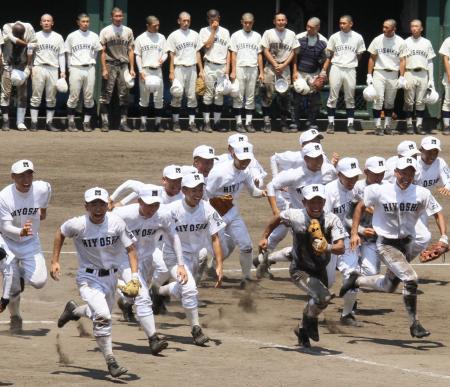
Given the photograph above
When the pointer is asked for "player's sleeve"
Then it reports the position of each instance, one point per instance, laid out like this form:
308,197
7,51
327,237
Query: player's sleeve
98,44
285,179
329,198
171,43
213,183
204,36
337,229
265,39
68,45
199,43
331,45
403,49
45,193
215,221
72,228
431,54
444,50
129,186
102,36
370,195
126,236
373,47
233,43
444,173
431,205
5,214
251,187
361,45
131,40
295,42
286,217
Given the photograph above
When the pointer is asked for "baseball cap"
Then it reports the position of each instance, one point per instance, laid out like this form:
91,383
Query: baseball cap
405,162
375,164
22,166
349,167
205,152
313,190
237,137
150,194
243,150
309,135
172,172
312,149
430,142
188,169
407,148
192,180
96,193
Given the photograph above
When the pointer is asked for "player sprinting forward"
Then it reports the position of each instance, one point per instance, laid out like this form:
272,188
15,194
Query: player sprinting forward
100,239
195,221
397,207
309,269
23,205
49,64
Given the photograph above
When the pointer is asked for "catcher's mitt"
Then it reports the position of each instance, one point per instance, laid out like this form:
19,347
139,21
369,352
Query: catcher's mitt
432,252
222,204
200,86
318,82
131,289
319,243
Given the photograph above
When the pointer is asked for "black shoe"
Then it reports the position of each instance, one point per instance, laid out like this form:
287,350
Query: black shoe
87,127
159,128
409,129
284,127
244,283
349,284
50,127
267,128
240,128
420,130
68,315
33,127
207,127
157,344
71,127
350,320
105,126
302,336
261,263
200,338
379,131
193,128
143,127
387,131
15,325
417,330
5,126
311,327
114,368
293,128
127,311
351,129
250,128
124,127
330,128
176,127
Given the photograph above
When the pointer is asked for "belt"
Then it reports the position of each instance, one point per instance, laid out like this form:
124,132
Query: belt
151,68
388,70
416,70
115,62
83,65
101,272
183,65
215,63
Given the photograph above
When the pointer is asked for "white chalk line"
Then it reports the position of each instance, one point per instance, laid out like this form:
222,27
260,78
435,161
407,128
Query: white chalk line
45,322
350,359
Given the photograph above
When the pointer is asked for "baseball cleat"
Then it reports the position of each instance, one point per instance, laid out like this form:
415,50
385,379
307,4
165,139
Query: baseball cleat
240,128
15,324
71,127
33,126
351,129
114,368
303,339
349,284
267,128
446,131
105,126
417,330
244,283
87,127
200,338
143,127
51,128
350,320
5,126
379,131
124,127
207,128
330,128
176,127
127,310
159,128
311,327
203,264
193,127
21,126
68,314
420,130
387,130
284,127
157,344
250,128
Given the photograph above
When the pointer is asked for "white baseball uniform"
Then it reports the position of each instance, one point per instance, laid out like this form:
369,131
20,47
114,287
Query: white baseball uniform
8,266
255,168
445,51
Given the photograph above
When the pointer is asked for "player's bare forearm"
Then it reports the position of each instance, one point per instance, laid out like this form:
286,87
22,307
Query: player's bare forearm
402,66
171,66
42,213
208,44
338,247
445,58
289,59
273,224
227,65
441,223
57,246
233,64
260,64
132,258
199,62
326,65
356,220
273,205
269,57
103,59
371,64
131,59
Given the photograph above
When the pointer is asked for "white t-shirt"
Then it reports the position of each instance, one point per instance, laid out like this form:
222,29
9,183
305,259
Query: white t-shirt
346,46
338,200
388,52
397,211
18,207
99,246
436,174
280,44
184,44
48,48
151,47
247,46
82,47
218,52
418,53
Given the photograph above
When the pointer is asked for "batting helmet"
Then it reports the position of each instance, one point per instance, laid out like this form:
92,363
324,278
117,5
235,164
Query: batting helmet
18,77
281,85
369,93
431,96
129,80
61,85
152,83
176,89
234,89
301,87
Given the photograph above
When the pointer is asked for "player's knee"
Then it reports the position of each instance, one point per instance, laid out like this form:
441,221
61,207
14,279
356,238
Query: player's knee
143,306
246,249
189,295
38,281
102,320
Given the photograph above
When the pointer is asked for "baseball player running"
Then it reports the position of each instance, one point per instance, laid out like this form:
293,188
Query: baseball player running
151,53
117,57
418,75
397,207
17,49
445,52
278,46
49,64
184,47
386,62
23,205
345,48
100,239
247,68
82,47
216,43
316,235
308,61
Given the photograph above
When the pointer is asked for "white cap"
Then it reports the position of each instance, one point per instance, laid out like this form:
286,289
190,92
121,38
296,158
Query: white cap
151,194
205,152
188,169
173,172
349,167
237,137
407,148
192,180
22,166
405,162
96,193
430,142
375,164
313,149
309,135
243,150
313,190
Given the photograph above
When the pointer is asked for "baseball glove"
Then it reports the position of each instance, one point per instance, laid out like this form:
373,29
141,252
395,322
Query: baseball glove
222,204
318,82
200,86
131,289
432,252
319,243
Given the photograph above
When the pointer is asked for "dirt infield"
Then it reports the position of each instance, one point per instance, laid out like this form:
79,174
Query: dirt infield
253,342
